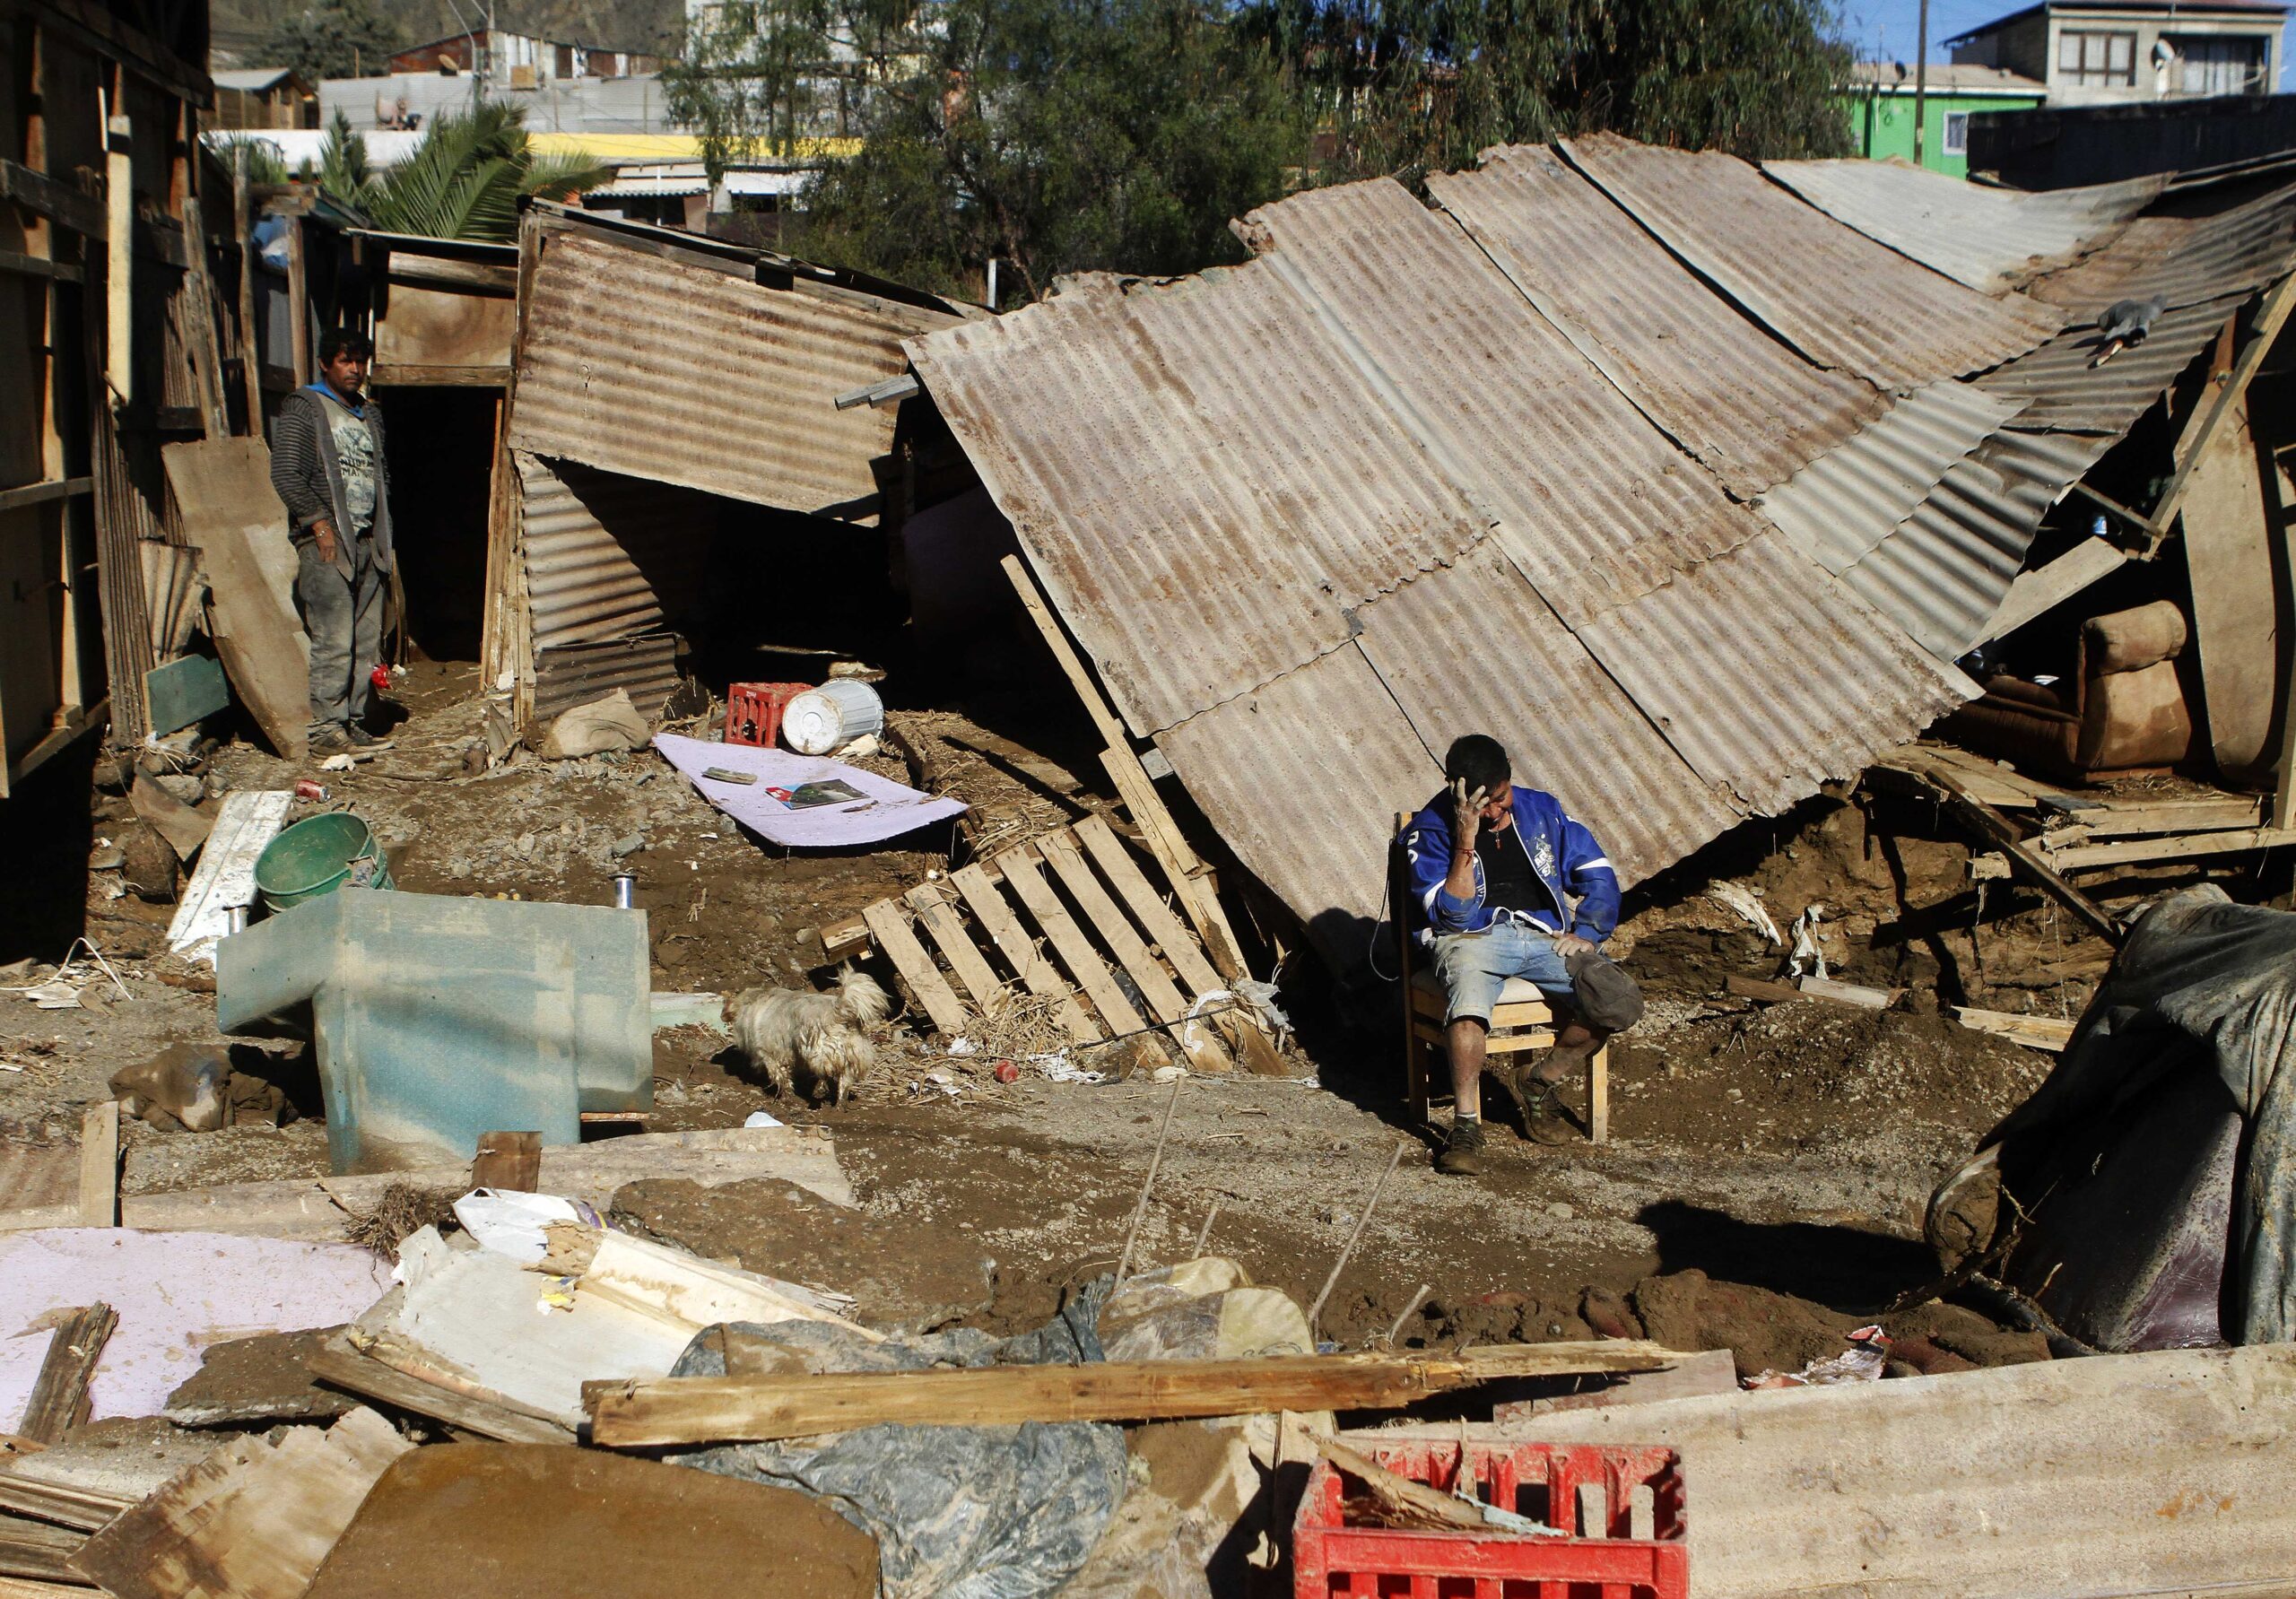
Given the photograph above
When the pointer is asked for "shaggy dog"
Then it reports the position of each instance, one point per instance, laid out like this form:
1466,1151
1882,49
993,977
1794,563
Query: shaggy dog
820,1041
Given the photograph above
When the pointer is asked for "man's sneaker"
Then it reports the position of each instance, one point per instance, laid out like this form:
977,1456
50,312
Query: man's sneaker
1544,1118
332,739
362,738
1462,1154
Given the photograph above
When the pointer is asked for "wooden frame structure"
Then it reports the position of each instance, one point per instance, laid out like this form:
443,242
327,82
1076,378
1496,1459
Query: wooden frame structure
1515,1025
1068,916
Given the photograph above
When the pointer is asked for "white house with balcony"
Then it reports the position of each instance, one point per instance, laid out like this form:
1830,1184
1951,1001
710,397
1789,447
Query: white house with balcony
2098,52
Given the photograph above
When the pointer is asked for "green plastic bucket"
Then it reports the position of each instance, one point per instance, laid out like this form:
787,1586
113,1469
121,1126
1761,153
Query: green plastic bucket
317,855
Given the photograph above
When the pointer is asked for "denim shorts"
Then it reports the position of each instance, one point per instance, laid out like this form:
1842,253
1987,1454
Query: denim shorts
1474,967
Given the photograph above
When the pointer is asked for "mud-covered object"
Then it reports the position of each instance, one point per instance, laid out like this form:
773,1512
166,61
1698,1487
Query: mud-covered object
1602,995
2157,1164
958,1512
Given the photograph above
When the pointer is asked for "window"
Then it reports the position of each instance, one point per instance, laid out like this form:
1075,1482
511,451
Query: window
2091,59
1957,133
2216,64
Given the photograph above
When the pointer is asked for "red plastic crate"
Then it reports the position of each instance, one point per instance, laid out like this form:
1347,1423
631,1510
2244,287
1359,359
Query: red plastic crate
753,711
1330,1557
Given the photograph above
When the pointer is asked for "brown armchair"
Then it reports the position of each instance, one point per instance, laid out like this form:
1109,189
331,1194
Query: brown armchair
2123,709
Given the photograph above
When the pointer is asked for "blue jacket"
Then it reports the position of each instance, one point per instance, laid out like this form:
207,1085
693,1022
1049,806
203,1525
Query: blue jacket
1564,854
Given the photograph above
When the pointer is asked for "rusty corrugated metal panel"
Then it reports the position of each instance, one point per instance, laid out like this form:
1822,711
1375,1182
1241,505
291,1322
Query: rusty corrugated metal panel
1328,731
1942,574
607,556
2188,258
1597,505
1771,676
2062,390
1832,293
1653,328
656,368
1845,502
1991,238
1202,479
1570,728
572,674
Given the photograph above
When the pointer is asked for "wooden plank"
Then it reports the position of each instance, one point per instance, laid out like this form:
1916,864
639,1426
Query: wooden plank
1178,944
1020,951
17,499
409,375
99,1165
119,252
248,820
511,1161
252,1521
340,1366
1849,994
19,265
59,202
1026,880
1992,825
2041,1032
2046,586
2168,816
82,1509
37,1550
199,327
2189,846
1165,841
59,1395
695,1409
1918,760
498,276
2229,553
223,487
956,946
2201,429
1116,930
924,980
250,341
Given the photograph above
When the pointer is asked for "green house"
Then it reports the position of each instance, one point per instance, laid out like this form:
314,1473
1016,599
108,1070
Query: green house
1880,98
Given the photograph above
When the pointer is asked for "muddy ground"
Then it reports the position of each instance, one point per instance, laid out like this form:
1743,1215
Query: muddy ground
1789,1147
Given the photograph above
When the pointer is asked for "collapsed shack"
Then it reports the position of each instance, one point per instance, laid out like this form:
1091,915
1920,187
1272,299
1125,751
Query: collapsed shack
1685,610
674,450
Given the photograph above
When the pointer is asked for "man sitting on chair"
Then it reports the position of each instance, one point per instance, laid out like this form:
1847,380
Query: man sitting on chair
1507,886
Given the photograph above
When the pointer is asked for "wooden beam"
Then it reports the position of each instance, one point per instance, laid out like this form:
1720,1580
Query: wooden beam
2199,430
2136,519
59,1397
930,902
2046,586
1198,900
689,1410
502,278
66,1505
251,344
2185,847
59,202
2037,1032
38,266
2167,816
338,1365
200,327
1997,828
1116,931
1178,944
63,488
99,1165
399,375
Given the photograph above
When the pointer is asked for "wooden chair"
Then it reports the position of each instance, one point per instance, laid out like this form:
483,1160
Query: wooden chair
1523,1019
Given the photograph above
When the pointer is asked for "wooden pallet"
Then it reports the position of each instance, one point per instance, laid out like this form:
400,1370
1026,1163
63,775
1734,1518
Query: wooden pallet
1068,916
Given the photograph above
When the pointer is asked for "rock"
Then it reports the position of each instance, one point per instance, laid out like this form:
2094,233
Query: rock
1560,1211
628,844
148,864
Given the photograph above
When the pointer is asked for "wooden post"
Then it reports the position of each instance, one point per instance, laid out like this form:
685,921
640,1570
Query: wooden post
200,327
250,342
1198,901
99,1165
299,302
119,274
59,1397
510,1161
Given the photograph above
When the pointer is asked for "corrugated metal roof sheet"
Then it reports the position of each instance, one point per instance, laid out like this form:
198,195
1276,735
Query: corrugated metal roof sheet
2063,391
1770,676
1653,328
1204,480
1595,504
1570,728
1942,574
657,368
606,557
1990,239
2188,258
1847,500
1833,294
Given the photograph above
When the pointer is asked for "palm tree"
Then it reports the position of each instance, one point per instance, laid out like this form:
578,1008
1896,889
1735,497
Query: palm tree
463,181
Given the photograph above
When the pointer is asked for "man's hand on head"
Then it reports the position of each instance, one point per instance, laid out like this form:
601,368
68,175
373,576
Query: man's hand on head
1567,945
1466,816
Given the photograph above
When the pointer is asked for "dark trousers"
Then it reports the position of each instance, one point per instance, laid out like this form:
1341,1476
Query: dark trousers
343,612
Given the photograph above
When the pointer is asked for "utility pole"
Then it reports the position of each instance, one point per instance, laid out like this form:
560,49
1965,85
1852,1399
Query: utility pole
1920,82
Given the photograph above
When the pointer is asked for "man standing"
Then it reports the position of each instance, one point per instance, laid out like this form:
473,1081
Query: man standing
327,467
1508,886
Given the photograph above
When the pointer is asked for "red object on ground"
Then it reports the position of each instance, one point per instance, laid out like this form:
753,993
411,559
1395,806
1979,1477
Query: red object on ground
1007,1072
381,678
306,789
1331,1558
753,711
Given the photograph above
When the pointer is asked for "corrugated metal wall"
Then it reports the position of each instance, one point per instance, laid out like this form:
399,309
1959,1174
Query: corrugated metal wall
607,556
